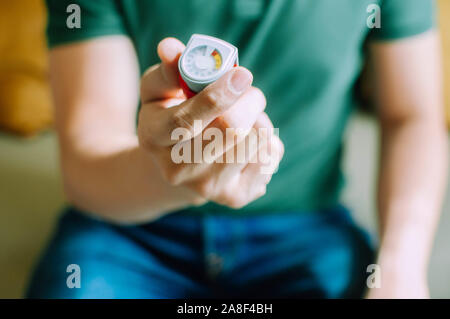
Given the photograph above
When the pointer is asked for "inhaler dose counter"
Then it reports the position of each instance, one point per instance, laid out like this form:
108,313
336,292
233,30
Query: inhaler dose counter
205,60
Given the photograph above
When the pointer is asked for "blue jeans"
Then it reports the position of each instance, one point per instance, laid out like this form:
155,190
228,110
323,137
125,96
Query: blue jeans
184,255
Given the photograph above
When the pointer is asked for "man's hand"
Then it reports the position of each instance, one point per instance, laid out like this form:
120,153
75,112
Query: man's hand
229,103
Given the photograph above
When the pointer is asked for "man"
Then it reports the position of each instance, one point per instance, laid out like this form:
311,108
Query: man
220,230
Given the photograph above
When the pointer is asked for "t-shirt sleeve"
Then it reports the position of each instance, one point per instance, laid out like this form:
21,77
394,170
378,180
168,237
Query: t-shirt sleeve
97,18
405,18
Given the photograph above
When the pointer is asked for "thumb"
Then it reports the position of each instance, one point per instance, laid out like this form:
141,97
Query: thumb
161,80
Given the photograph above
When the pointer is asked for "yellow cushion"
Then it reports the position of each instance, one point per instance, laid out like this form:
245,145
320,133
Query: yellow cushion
25,103
444,20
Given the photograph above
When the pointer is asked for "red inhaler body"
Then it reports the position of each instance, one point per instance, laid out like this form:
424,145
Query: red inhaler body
187,91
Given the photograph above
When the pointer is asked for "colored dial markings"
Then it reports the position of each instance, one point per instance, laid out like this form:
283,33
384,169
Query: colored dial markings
203,61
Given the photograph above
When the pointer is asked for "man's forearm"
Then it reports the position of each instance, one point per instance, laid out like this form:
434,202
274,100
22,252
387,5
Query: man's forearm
412,181
120,183
105,171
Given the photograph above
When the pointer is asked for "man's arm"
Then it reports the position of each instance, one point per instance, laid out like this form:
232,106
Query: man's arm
414,159
96,90
111,172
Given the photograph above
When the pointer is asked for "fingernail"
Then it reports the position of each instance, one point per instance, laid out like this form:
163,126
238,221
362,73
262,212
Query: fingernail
170,49
240,80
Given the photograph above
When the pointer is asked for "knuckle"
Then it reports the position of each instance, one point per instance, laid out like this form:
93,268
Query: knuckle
199,201
259,97
181,119
204,189
266,122
212,98
261,192
237,203
279,146
234,199
173,174
266,180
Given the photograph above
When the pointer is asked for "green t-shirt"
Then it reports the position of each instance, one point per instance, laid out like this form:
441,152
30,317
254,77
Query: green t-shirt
305,55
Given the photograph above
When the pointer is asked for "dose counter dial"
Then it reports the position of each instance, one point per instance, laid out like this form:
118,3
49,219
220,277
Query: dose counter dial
205,60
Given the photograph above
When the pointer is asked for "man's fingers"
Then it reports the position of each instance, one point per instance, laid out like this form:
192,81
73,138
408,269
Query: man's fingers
209,104
161,81
246,111
235,124
256,175
263,121
169,51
